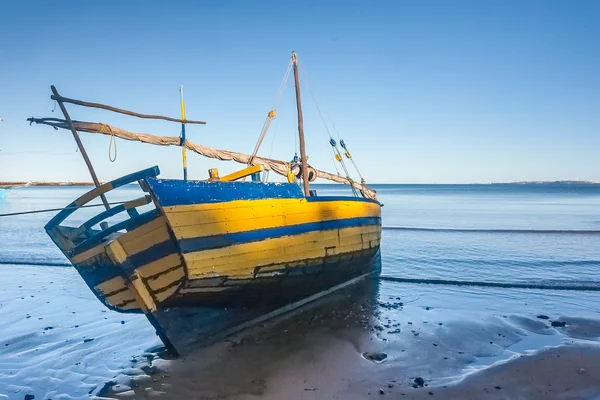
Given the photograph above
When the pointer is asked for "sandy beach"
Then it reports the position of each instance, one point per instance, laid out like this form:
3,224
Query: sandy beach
58,342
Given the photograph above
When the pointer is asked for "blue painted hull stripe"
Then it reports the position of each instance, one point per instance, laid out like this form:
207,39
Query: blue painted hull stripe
153,253
171,192
95,275
219,241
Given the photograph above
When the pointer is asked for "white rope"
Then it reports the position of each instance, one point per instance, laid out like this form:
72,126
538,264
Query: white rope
334,128
335,149
272,113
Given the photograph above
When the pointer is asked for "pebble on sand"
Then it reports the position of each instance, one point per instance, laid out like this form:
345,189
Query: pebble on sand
419,382
558,324
375,357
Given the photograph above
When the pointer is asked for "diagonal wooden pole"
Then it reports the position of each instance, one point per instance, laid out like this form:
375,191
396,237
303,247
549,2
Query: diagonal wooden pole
79,145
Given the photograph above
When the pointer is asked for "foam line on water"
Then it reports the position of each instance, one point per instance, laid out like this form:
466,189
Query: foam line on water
40,263
542,263
509,285
517,231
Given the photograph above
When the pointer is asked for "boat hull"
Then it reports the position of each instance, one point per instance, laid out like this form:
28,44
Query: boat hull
226,244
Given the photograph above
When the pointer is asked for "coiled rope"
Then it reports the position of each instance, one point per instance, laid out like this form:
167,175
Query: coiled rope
113,141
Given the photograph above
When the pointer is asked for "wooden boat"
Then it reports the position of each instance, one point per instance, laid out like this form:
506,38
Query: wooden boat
221,242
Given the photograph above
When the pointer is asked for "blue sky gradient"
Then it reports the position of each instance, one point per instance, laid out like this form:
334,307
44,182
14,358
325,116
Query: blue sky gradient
421,91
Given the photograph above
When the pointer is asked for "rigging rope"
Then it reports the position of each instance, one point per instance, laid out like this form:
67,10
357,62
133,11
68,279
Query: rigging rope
333,143
58,209
271,115
348,155
346,151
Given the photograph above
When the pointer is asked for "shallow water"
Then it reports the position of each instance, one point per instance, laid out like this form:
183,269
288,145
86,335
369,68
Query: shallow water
464,236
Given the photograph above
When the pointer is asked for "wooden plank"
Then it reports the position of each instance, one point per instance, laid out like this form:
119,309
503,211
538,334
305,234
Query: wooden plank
155,284
147,240
244,265
142,230
242,173
159,266
278,243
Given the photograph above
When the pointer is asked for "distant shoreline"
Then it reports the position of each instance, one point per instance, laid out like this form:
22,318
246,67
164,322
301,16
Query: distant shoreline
548,183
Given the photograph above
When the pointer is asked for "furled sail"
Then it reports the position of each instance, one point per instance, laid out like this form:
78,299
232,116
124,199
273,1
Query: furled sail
280,167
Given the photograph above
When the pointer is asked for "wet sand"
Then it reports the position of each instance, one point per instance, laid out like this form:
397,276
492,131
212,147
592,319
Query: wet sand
58,342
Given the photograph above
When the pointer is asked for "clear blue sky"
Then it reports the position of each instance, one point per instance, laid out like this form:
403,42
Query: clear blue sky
422,91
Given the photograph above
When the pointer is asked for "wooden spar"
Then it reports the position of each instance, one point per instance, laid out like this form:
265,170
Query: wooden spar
300,127
279,167
79,144
118,110
183,141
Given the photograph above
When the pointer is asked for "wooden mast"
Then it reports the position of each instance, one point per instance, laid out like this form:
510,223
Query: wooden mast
300,126
59,100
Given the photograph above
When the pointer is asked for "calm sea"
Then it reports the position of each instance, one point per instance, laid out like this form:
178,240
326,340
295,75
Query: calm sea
546,234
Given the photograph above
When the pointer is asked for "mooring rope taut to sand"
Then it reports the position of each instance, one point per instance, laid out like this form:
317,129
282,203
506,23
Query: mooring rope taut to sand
58,209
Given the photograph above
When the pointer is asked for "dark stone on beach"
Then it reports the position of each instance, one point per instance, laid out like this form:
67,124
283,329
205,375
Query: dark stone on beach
87,340
397,330
497,387
431,393
542,316
390,385
29,397
149,369
48,328
428,308
435,344
381,391
440,324
558,324
122,322
375,357
419,382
